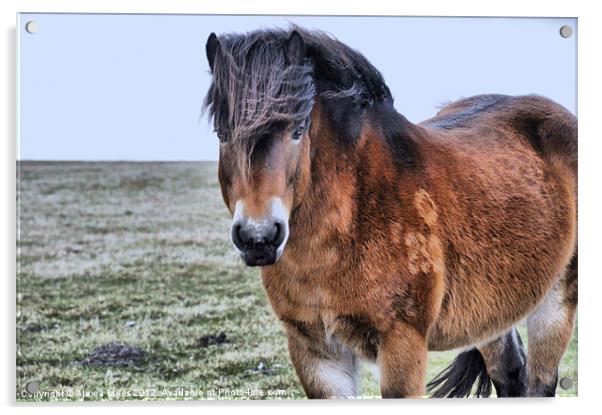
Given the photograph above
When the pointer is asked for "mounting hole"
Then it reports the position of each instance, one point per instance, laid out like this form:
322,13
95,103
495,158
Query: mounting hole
566,383
31,27
566,31
33,387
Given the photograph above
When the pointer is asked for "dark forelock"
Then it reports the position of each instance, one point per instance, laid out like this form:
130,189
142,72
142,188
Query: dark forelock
253,85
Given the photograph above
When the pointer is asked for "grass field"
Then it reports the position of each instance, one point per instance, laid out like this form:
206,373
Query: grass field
128,288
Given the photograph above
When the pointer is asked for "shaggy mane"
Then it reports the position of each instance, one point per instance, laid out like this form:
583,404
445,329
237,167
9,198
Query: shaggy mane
254,87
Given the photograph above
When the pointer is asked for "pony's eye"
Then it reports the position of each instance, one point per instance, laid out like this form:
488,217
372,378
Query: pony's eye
223,137
298,133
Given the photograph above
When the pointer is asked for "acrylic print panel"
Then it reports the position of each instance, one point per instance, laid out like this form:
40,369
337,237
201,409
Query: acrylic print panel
342,230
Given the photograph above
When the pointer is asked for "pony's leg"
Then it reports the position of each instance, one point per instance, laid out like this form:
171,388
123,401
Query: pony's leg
402,362
550,327
506,363
324,374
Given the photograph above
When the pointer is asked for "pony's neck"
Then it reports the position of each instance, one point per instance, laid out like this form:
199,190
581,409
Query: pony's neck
346,172
326,210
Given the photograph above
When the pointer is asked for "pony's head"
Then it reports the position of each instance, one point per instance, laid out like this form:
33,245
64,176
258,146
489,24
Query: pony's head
262,97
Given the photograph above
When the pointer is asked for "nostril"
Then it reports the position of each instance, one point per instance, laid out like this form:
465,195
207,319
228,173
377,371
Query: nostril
237,237
278,231
279,234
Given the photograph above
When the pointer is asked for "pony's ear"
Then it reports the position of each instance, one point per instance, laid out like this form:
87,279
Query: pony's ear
211,48
295,49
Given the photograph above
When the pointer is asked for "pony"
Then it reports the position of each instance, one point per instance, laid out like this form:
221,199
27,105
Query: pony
380,239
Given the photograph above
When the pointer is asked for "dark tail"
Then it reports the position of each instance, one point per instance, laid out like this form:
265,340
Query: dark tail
457,380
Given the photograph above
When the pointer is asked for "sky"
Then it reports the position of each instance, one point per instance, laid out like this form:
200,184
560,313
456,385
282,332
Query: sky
130,87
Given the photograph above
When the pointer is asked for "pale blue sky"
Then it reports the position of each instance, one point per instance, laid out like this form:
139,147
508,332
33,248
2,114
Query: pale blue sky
129,87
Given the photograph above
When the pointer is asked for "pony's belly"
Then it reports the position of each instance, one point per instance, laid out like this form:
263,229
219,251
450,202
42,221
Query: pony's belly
482,312
442,341
490,290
